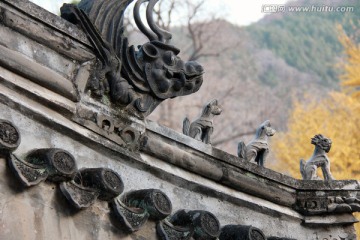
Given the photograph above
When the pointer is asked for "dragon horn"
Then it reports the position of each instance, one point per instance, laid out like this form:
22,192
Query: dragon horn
164,36
139,23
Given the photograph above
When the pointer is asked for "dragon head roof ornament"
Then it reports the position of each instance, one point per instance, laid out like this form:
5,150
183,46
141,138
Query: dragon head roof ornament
136,80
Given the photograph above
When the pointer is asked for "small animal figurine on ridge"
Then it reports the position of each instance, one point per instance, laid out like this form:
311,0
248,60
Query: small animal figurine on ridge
258,149
202,128
318,159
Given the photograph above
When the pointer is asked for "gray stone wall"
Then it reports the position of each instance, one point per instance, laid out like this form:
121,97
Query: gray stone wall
45,63
42,212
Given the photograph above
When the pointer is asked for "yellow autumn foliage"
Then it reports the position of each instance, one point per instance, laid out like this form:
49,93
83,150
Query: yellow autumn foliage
351,67
336,117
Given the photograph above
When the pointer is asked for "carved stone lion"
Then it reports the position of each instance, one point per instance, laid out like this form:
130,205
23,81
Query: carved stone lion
202,128
318,159
258,149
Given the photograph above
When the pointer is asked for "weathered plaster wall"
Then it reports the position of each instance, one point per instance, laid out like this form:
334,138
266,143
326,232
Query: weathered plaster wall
41,212
44,66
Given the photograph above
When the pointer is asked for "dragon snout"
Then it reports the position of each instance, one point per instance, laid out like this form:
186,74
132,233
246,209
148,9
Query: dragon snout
193,68
193,73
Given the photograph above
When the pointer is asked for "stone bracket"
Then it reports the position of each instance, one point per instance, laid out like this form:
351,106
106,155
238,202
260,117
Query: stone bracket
134,208
9,136
186,224
167,231
90,184
236,232
78,196
53,164
132,219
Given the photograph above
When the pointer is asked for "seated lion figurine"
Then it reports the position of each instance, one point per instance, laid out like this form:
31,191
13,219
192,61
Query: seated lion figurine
318,159
202,128
258,149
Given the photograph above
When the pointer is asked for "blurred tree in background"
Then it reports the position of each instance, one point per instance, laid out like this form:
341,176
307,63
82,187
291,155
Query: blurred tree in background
351,75
337,117
255,71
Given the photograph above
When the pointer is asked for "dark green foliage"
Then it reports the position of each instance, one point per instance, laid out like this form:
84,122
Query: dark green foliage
307,41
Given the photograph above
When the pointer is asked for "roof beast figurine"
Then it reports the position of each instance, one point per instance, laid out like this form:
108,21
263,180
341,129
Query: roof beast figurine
202,128
136,80
258,149
318,159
